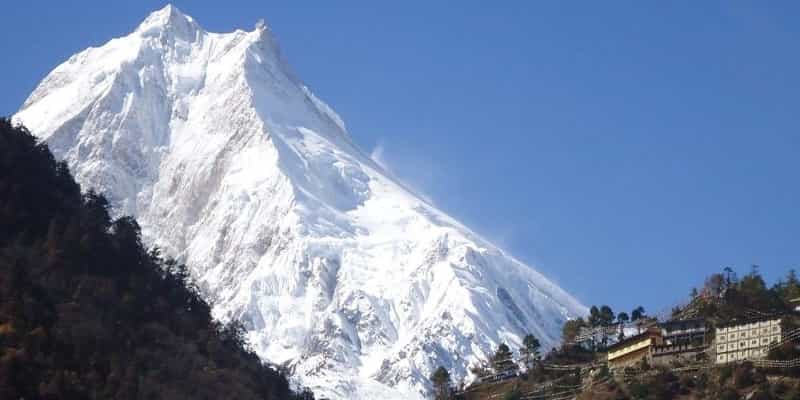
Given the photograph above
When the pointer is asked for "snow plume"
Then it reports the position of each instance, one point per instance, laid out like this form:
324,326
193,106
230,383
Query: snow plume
399,164
378,155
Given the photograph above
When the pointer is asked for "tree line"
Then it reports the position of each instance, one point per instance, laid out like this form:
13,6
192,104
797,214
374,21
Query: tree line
602,317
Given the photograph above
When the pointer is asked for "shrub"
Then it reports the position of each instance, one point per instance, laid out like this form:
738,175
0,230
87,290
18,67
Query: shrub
702,381
513,395
743,376
729,394
761,394
638,390
725,373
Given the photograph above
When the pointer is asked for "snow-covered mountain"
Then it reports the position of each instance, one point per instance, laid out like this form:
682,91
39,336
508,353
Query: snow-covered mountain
232,165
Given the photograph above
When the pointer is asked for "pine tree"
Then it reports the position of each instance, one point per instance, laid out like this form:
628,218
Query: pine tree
594,316
791,278
529,352
637,313
730,277
636,316
606,316
441,383
622,319
790,288
503,360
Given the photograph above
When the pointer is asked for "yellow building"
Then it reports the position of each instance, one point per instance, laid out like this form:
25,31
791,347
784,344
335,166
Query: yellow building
629,351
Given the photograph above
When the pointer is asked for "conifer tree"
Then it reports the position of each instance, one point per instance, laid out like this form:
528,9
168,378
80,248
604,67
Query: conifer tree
594,316
529,352
622,319
441,383
503,359
606,316
637,313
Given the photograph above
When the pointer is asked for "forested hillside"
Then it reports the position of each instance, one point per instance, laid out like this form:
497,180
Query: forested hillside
87,313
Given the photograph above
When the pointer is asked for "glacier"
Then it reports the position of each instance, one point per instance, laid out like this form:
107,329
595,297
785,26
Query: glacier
357,285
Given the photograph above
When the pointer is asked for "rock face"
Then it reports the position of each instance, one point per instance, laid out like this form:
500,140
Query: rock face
233,166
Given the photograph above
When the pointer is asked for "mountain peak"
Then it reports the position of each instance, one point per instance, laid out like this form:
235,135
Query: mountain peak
169,19
234,166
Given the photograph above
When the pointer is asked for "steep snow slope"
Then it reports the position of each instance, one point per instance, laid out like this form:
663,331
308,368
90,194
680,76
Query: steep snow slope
233,165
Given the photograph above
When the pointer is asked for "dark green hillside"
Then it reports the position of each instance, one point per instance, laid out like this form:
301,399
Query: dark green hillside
87,313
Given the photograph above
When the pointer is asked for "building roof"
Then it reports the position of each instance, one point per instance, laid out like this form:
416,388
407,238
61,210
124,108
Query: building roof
635,338
682,322
745,321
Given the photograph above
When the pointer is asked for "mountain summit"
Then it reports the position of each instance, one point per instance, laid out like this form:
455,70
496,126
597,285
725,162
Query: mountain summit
172,19
232,165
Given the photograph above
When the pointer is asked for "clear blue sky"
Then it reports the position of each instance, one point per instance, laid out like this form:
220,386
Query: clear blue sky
626,150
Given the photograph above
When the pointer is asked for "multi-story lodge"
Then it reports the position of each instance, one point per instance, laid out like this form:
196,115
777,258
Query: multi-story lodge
746,340
683,341
691,332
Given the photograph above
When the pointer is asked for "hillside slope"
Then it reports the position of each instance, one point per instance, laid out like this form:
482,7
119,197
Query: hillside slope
87,313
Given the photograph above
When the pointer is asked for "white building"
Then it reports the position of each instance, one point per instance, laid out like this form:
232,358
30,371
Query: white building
746,341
